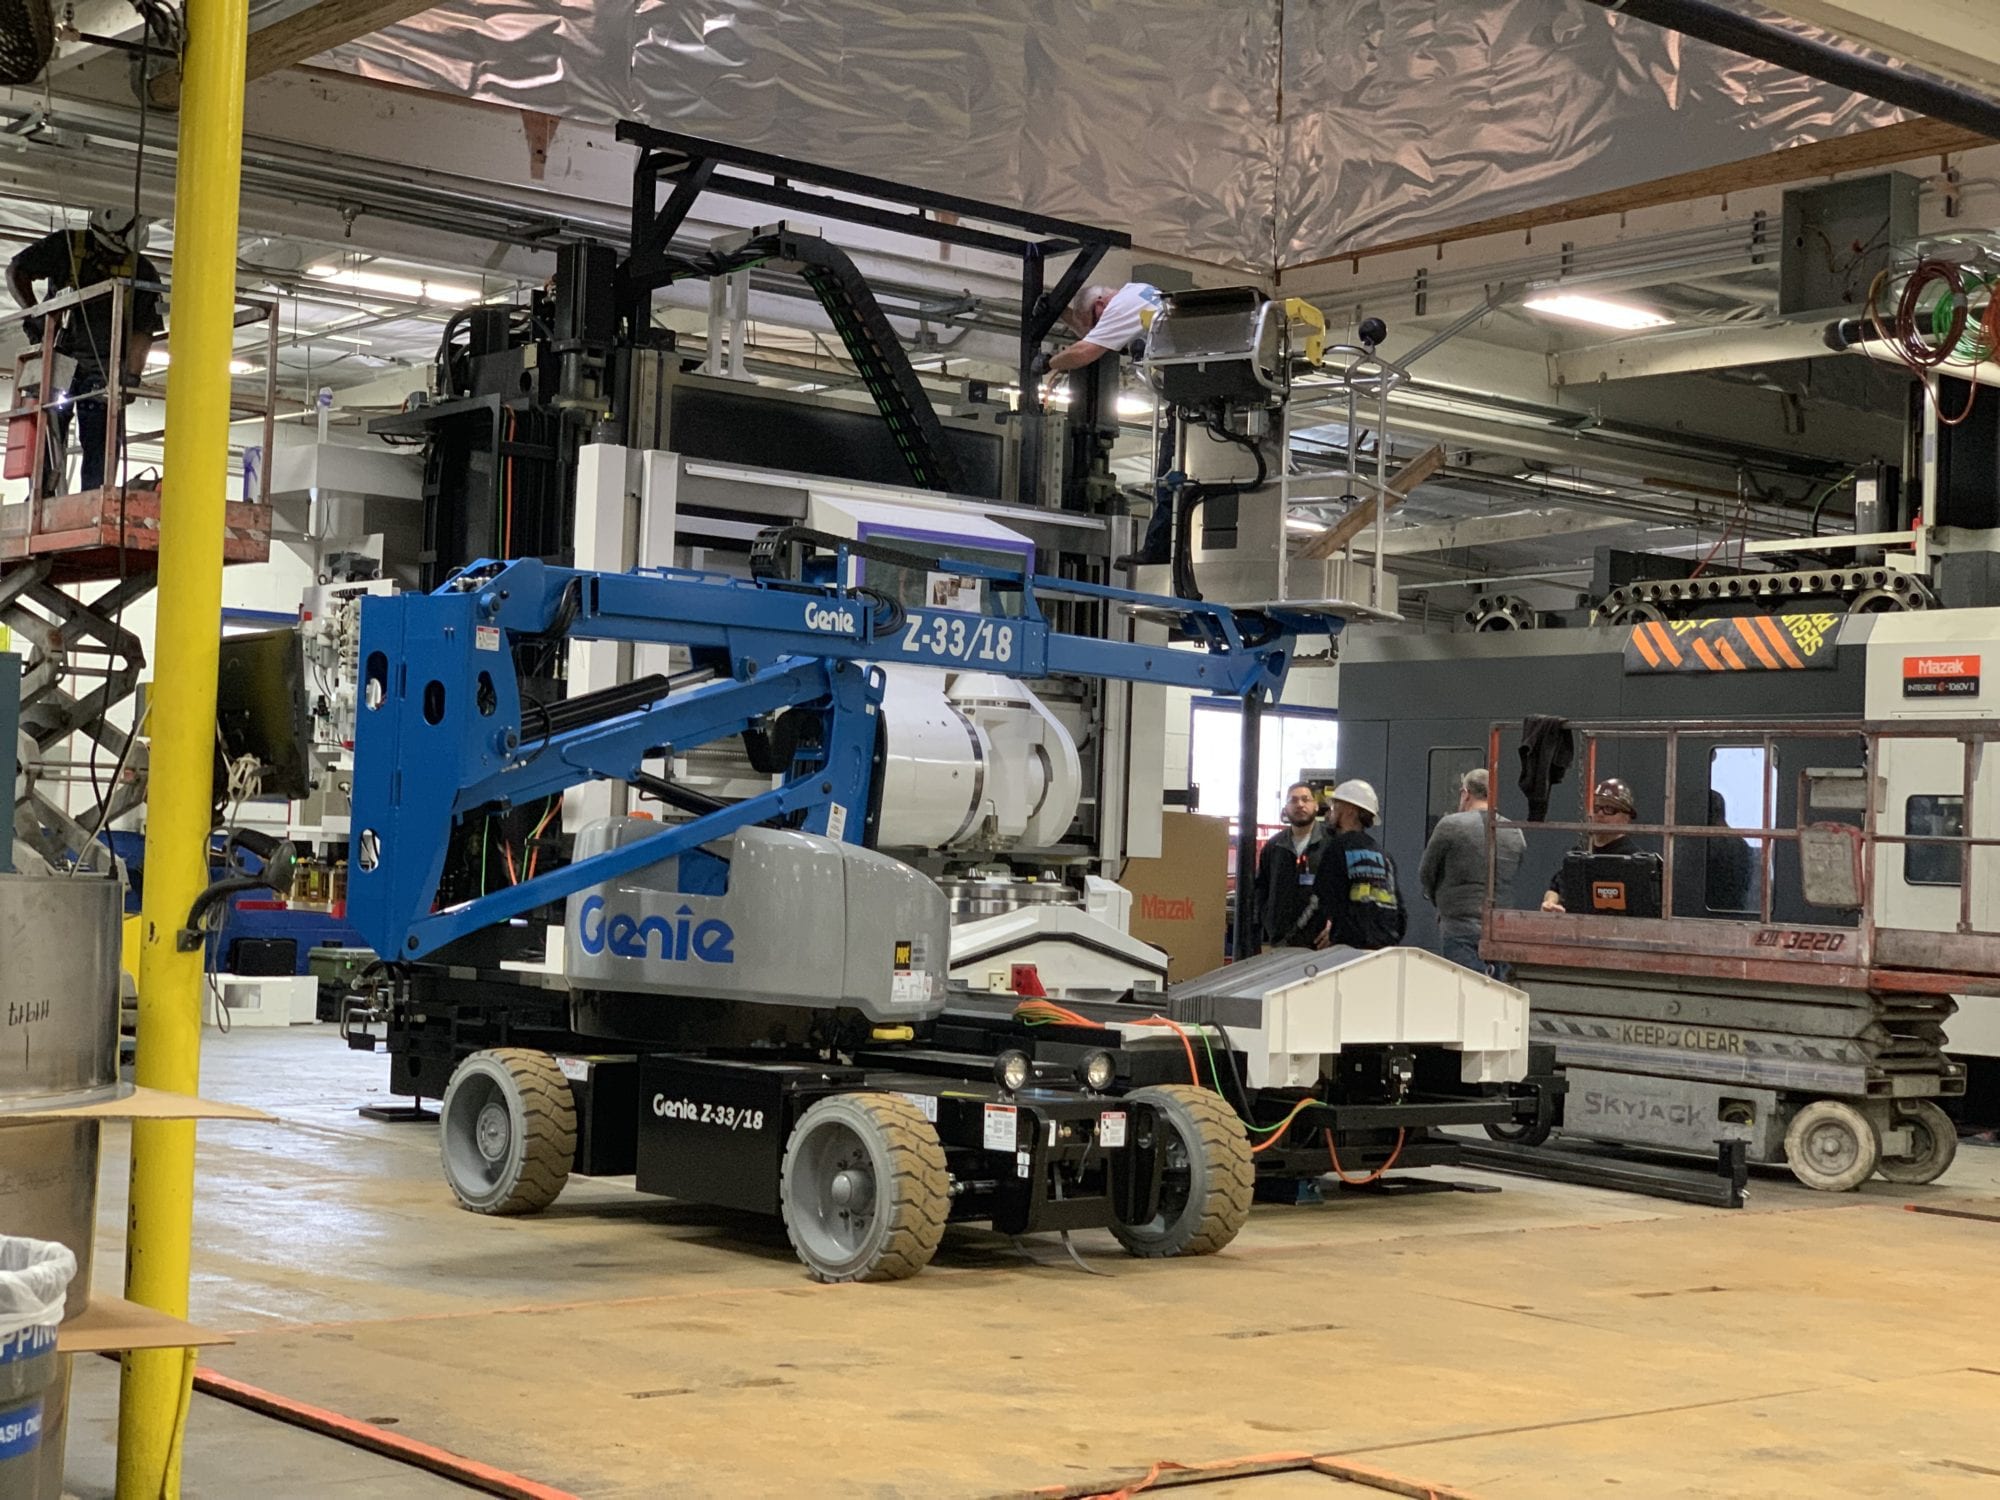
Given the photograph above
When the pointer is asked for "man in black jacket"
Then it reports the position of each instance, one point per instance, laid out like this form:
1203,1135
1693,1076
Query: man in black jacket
1356,890
1612,806
1286,870
72,259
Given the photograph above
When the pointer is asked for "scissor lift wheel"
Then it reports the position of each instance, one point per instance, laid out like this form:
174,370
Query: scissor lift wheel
1832,1146
1934,1143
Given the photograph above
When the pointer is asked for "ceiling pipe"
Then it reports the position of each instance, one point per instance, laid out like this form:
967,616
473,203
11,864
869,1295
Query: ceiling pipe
1708,22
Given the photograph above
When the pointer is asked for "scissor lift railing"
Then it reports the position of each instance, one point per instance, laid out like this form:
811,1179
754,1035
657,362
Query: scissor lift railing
1861,954
110,531
82,662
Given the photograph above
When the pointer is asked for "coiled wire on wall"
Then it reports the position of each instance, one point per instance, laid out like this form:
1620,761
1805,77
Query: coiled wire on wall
1944,312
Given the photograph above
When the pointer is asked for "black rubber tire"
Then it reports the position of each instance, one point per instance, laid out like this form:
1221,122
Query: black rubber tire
1520,1135
1937,1146
529,1116
1831,1146
888,1137
1220,1175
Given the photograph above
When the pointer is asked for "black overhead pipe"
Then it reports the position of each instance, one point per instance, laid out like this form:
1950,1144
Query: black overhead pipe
1708,22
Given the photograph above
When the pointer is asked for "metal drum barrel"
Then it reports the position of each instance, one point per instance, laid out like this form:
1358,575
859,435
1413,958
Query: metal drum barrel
59,964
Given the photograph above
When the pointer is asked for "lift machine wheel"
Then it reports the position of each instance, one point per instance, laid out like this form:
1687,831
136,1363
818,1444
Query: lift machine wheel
864,1188
1206,1175
507,1131
1934,1141
1832,1146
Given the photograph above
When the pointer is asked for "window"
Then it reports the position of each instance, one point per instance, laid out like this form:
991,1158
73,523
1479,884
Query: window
1447,774
927,588
1738,782
1293,739
1933,864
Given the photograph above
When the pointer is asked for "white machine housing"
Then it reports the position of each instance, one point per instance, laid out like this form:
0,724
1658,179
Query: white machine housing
1080,949
1914,772
975,761
1288,1011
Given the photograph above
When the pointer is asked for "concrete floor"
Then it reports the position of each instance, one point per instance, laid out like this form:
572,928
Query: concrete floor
1540,1341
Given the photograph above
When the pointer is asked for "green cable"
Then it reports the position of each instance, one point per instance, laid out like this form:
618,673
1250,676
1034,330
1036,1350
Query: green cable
1297,1110
1971,345
1212,1068
1216,1069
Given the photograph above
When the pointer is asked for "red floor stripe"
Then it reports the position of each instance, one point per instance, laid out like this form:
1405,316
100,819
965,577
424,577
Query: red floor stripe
440,1461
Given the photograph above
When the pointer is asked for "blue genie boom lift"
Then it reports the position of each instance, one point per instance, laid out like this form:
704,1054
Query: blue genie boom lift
752,1011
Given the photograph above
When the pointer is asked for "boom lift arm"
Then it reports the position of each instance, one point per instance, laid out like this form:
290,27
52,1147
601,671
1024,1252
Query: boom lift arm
444,731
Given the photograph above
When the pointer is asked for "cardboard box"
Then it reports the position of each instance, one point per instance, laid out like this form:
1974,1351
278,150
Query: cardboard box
1180,901
134,1103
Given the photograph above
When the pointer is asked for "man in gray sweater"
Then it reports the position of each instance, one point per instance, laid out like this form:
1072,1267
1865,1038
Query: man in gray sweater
1453,873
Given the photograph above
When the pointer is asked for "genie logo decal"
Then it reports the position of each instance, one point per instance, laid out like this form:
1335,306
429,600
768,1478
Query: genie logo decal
818,617
709,941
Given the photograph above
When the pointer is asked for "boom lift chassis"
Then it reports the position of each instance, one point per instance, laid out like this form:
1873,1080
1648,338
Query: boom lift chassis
868,1137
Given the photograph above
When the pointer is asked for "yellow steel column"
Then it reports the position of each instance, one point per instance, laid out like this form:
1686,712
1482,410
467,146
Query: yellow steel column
152,1408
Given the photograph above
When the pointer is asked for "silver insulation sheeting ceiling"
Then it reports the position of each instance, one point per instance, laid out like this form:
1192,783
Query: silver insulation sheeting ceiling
1263,133
1407,116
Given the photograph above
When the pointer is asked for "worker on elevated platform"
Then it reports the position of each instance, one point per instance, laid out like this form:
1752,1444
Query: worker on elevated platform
1107,320
1453,873
1612,806
1113,320
1286,871
71,259
1355,888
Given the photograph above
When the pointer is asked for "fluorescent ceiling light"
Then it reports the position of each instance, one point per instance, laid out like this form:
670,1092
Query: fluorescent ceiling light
1132,404
1302,523
414,288
1563,482
1596,311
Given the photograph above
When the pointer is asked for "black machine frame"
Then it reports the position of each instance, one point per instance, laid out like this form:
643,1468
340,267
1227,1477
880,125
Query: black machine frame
688,166
1359,1126
1062,1173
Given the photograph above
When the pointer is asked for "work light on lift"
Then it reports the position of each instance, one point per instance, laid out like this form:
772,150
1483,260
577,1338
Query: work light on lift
1012,1070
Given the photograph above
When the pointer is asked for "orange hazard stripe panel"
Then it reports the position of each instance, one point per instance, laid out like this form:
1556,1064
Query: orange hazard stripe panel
1775,634
1728,653
1663,638
1645,650
1754,639
1708,658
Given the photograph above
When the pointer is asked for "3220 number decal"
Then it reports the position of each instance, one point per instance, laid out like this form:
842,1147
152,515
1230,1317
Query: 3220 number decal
964,638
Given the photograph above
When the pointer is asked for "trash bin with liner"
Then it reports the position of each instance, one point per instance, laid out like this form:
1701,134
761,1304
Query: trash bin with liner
34,1280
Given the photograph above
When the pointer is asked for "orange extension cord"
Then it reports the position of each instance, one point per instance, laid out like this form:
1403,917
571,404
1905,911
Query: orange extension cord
1048,1010
1266,1463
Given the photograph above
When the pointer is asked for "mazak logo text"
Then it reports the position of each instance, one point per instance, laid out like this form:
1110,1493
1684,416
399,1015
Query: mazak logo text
1167,909
819,617
709,941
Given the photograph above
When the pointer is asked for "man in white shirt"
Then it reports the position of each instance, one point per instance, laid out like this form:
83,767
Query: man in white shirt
1106,320
1113,320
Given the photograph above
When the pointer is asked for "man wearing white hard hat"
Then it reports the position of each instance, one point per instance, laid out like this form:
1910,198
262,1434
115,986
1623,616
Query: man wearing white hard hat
1356,887
73,259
